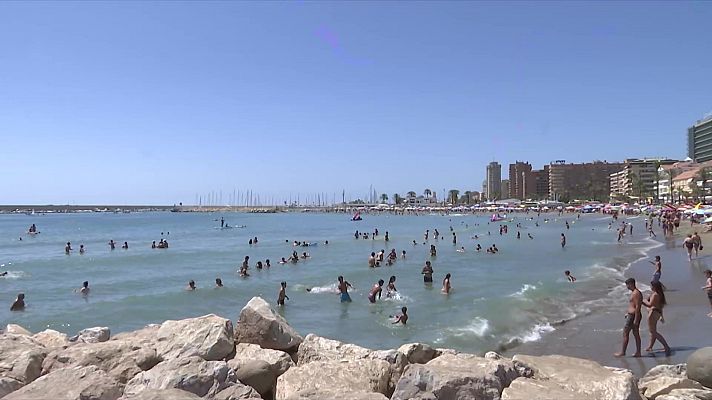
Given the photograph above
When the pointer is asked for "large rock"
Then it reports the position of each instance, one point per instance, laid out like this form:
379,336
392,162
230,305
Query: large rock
8,385
418,353
662,379
580,378
146,334
530,389
77,383
260,324
687,394
119,358
461,376
334,394
258,375
348,376
17,330
20,358
209,337
238,391
165,394
699,366
278,361
317,348
92,335
51,339
192,374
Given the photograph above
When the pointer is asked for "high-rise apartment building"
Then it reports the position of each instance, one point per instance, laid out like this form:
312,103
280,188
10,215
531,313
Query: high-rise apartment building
517,179
581,181
505,188
699,140
638,177
494,181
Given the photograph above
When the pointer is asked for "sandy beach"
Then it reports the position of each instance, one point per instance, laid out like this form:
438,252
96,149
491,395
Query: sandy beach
597,336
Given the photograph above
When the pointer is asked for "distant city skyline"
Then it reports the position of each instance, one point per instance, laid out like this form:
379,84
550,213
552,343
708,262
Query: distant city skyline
155,102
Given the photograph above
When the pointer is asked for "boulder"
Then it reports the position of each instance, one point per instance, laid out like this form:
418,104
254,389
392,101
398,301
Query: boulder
349,376
278,361
121,359
260,324
258,375
165,394
461,376
699,366
335,394
8,385
493,355
51,339
528,389
238,391
417,353
20,358
92,335
17,330
662,379
581,378
146,334
192,374
687,394
317,348
75,383
209,337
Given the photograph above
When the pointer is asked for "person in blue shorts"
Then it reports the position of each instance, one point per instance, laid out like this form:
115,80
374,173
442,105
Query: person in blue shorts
344,290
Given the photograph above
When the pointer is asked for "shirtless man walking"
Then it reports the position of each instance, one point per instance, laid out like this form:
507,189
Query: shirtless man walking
632,319
344,290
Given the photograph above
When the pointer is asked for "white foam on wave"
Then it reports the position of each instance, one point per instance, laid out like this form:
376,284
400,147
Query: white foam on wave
317,289
477,327
14,275
525,288
396,297
535,333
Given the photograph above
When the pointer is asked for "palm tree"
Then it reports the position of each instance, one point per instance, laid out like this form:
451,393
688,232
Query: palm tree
397,199
468,197
411,194
384,198
453,195
427,193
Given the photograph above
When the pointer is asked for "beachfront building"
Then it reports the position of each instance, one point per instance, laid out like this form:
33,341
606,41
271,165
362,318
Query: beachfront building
505,187
638,178
684,180
699,140
494,181
585,181
519,174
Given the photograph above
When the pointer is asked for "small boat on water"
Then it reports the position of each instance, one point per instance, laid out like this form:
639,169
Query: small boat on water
357,217
497,218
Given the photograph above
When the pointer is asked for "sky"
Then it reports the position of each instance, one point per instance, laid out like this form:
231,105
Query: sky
157,102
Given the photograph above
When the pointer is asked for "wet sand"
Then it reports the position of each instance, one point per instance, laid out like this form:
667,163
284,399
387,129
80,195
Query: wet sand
687,327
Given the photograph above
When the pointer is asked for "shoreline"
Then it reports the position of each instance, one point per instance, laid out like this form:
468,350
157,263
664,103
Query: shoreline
598,335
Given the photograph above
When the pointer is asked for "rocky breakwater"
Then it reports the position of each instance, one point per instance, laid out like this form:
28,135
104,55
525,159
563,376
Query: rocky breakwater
262,357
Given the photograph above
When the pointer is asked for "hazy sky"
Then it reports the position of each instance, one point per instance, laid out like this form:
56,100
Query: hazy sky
151,103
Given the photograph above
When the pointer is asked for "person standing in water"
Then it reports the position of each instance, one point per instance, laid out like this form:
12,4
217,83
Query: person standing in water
344,290
563,240
632,319
125,246
446,284
191,285
282,294
222,222
655,304
391,288
84,290
427,273
403,317
112,245
569,277
67,248
19,303
377,289
218,283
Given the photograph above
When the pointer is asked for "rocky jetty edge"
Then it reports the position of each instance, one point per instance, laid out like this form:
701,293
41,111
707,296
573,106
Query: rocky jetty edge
262,357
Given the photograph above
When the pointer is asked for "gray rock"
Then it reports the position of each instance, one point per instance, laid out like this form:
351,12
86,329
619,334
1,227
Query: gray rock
51,339
317,348
75,383
579,377
238,391
260,324
192,374
335,395
121,359
531,389
278,361
699,366
687,394
209,337
349,376
418,353
662,379
458,377
164,394
20,358
92,335
9,385
258,375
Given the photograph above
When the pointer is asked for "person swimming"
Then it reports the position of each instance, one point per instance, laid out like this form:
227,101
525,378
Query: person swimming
218,283
191,285
569,277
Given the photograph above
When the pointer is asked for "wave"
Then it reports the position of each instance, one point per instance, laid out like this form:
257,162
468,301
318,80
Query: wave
525,288
478,327
397,297
15,275
319,289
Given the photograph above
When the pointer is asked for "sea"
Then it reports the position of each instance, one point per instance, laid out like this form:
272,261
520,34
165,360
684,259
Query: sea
497,300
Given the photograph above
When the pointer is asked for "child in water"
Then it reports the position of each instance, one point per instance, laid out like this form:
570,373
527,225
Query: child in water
403,317
569,277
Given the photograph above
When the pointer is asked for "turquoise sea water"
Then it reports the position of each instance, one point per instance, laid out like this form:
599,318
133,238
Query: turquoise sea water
518,295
